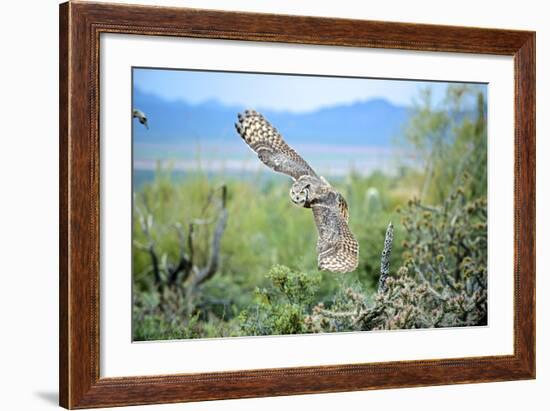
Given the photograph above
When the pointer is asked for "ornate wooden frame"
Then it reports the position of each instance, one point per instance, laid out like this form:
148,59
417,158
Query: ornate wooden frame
80,27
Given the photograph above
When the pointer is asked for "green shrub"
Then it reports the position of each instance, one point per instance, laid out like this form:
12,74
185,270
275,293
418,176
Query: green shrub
281,307
442,283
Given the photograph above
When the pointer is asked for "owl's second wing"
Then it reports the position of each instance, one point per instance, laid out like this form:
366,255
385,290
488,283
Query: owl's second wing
270,146
337,248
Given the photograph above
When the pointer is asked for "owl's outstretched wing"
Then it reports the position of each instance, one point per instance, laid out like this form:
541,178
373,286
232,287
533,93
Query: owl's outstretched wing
337,248
270,146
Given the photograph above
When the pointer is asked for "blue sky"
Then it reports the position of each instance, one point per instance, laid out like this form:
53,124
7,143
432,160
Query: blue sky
277,92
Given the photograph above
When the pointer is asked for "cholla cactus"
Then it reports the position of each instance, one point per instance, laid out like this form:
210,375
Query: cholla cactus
385,259
443,282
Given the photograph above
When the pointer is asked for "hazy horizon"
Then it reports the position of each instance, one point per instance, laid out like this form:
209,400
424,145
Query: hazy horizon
337,124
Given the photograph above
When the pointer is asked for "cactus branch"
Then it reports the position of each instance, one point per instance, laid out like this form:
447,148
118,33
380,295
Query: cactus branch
385,259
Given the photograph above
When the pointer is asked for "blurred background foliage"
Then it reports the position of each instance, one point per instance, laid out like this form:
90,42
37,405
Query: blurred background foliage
263,279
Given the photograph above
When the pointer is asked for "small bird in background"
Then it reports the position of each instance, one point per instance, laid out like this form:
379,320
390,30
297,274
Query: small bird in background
337,248
140,115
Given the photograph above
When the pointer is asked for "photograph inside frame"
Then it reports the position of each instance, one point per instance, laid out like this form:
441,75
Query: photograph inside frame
274,204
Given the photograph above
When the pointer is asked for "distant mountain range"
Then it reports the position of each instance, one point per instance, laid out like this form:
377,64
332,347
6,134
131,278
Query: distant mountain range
372,123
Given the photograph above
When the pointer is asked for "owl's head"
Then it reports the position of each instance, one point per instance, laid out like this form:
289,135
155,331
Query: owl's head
299,197
301,190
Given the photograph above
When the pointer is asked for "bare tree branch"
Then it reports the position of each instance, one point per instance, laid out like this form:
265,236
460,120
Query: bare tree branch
212,266
184,264
183,275
146,221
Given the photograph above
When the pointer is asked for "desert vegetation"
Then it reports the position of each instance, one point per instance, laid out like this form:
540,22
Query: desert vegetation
216,256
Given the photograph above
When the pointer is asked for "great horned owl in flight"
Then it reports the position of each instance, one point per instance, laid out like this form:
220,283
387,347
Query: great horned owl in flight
337,248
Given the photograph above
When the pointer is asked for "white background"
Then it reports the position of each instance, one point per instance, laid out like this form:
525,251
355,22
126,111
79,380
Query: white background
28,182
119,357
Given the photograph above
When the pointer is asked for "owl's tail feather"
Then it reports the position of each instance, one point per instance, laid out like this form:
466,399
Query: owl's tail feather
342,258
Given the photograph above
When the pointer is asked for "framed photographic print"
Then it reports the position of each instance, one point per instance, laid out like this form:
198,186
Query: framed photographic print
256,205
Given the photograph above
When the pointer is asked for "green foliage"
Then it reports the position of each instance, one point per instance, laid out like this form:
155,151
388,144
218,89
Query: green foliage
263,229
442,283
450,138
440,243
282,306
